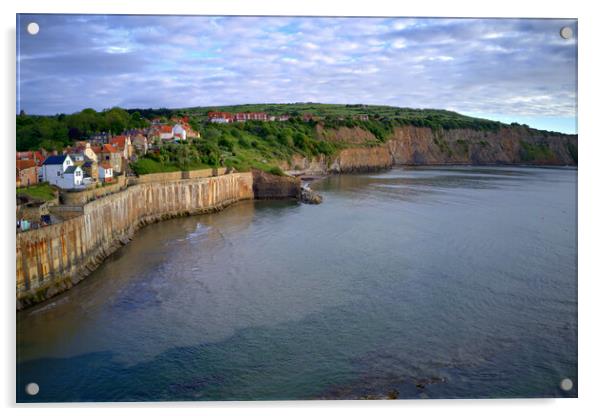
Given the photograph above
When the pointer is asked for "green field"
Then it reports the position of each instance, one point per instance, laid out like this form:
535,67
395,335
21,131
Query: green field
40,192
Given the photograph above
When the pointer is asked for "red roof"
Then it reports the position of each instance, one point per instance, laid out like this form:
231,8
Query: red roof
106,165
107,148
25,164
165,129
118,141
96,149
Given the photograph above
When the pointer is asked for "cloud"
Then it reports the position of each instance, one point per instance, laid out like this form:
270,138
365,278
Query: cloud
510,67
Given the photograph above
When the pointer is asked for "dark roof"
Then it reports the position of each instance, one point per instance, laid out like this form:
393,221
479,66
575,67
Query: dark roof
71,169
55,160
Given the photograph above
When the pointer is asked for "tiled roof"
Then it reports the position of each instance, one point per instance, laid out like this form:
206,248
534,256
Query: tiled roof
71,169
165,129
25,164
107,148
106,165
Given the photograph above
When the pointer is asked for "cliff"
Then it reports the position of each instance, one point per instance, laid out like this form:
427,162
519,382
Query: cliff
411,145
50,260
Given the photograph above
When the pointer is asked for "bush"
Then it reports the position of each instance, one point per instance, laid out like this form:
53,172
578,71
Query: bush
276,171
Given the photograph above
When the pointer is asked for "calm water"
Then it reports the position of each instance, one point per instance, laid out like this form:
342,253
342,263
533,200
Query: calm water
430,282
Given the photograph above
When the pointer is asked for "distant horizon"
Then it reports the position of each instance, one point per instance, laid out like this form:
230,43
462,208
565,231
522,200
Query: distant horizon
500,69
570,123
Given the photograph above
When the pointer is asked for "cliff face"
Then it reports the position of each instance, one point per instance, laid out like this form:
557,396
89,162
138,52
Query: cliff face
410,145
510,145
267,186
52,259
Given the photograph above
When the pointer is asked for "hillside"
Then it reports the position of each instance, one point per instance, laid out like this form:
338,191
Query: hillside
333,132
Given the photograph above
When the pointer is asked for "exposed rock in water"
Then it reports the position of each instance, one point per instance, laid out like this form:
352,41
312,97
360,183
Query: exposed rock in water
268,186
310,196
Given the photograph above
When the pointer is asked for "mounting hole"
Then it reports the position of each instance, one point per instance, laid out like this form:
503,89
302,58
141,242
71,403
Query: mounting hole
566,384
33,28
32,389
566,32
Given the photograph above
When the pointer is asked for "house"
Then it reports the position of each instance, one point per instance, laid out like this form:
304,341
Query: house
27,172
179,132
123,145
251,116
166,132
105,172
36,156
73,177
220,117
363,117
140,144
85,148
90,168
109,154
60,170
100,138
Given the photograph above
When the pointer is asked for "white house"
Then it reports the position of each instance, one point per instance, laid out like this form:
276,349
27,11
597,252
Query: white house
179,132
72,178
53,168
105,172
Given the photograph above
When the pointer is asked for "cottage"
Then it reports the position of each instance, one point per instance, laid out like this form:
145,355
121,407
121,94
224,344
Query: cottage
165,132
109,154
179,132
72,178
27,172
123,145
105,172
140,143
60,170
90,168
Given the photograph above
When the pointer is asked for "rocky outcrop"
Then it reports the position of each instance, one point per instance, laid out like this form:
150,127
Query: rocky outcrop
411,145
268,186
309,196
52,259
510,145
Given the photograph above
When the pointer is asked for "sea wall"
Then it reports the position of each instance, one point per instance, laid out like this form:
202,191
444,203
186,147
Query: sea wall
52,259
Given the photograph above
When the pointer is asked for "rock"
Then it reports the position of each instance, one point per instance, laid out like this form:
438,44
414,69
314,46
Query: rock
310,196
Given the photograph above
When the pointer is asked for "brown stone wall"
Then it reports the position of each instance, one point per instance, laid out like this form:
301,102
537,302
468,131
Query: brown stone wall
54,258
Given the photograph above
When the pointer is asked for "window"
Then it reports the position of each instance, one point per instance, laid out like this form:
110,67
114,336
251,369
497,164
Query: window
58,173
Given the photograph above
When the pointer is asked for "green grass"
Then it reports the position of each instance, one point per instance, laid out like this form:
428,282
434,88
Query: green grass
144,166
40,192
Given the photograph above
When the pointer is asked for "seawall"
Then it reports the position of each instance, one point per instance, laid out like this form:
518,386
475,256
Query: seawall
52,259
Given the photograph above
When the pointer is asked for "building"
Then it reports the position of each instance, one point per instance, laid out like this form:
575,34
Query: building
108,153
60,170
86,149
36,156
220,117
140,144
73,178
27,172
105,172
90,168
123,145
179,132
166,132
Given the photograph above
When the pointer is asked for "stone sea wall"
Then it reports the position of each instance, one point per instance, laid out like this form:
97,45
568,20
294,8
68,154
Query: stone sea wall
52,259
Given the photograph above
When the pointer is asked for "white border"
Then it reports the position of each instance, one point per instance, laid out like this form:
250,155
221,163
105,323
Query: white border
590,209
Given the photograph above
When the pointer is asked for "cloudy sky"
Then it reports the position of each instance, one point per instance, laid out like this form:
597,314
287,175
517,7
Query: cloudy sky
508,70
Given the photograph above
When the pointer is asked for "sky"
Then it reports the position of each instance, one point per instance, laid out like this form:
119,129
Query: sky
503,69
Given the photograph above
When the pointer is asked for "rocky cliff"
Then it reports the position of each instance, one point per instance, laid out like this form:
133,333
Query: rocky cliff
52,259
410,145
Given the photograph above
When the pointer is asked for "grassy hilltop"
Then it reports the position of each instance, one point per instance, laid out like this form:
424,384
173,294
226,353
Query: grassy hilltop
244,145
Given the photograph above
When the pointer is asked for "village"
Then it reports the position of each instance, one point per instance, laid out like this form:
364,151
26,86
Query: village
102,160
